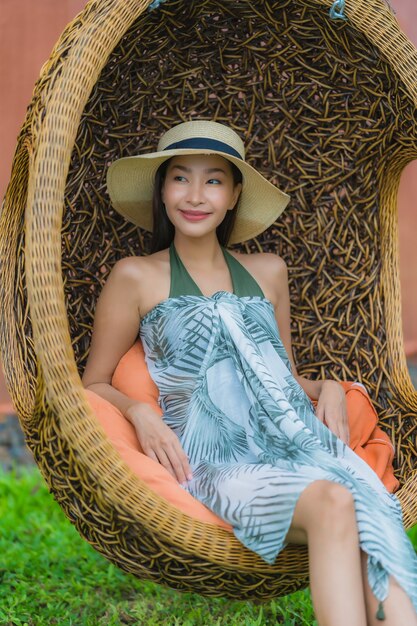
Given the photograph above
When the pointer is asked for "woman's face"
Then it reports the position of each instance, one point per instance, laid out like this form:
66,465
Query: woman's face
198,191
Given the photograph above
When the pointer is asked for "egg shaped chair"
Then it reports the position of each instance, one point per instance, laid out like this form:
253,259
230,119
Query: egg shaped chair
326,104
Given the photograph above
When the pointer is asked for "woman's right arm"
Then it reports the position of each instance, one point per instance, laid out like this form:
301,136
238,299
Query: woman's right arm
115,329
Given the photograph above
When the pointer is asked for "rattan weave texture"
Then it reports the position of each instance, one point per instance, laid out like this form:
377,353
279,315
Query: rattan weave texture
327,110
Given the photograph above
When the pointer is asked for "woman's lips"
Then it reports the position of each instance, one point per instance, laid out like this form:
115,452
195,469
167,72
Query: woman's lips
194,216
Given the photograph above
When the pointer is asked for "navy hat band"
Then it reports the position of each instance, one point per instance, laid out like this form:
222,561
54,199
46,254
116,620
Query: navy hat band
203,143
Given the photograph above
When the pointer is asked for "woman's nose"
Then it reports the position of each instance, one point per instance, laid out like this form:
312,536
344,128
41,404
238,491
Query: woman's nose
195,193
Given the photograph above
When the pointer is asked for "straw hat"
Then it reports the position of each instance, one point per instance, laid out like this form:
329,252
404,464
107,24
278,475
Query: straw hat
130,180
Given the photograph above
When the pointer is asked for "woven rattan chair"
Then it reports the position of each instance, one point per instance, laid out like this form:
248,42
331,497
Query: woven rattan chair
327,107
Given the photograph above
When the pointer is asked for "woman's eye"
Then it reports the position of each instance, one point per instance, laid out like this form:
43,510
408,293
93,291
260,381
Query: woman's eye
214,181
180,178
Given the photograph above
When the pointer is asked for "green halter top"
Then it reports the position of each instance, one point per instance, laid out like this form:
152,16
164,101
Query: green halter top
182,284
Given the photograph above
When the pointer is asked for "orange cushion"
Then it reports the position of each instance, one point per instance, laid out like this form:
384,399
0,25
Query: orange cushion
366,438
132,378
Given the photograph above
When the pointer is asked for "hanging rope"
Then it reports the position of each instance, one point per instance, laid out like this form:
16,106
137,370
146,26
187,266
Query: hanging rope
155,4
337,10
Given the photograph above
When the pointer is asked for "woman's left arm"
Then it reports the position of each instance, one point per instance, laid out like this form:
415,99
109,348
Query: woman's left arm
330,395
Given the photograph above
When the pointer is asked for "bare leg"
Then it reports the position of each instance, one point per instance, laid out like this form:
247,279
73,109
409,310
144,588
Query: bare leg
325,519
398,608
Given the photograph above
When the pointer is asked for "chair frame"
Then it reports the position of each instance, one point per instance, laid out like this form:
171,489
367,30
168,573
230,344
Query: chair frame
109,505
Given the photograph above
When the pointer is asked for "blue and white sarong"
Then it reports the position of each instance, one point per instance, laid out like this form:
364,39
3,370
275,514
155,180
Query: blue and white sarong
251,434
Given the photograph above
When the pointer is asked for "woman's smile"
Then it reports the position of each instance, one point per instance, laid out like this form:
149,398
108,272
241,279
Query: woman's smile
193,216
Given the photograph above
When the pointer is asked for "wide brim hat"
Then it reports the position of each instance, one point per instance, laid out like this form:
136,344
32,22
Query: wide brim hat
130,180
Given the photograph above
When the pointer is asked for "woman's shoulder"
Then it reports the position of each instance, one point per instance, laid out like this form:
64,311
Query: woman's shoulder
268,269
138,266
148,276
262,261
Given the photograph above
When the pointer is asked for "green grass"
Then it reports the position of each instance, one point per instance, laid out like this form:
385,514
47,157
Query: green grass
49,575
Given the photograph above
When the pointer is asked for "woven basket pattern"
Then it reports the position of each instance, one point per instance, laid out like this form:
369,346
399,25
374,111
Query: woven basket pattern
327,114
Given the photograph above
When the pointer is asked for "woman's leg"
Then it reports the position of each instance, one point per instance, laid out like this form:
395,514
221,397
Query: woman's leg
325,519
398,607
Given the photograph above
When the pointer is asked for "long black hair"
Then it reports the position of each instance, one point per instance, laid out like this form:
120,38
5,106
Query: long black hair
163,230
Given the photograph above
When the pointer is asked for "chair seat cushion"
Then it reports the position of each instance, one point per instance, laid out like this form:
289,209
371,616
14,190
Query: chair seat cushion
132,378
123,437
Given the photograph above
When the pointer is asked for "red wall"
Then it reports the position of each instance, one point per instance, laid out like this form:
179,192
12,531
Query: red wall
406,11
28,31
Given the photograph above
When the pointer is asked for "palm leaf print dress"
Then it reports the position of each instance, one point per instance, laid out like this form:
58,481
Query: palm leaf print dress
249,429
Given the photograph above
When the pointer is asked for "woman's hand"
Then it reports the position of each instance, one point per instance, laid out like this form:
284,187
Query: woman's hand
158,441
331,409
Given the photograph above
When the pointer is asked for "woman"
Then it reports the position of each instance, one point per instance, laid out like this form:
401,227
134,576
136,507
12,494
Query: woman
239,431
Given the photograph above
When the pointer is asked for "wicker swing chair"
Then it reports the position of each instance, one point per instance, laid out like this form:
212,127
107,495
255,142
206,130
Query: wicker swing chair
329,109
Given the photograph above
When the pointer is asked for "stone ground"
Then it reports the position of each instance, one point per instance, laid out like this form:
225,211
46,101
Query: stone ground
13,450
